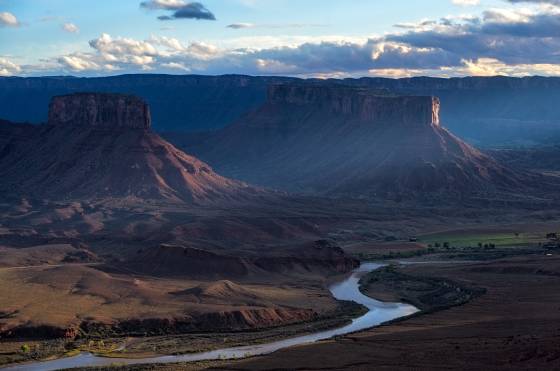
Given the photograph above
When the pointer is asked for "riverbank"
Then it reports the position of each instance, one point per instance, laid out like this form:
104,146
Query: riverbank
346,290
387,284
14,352
427,293
513,326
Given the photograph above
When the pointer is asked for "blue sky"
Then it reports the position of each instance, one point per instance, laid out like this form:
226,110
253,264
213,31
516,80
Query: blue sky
320,38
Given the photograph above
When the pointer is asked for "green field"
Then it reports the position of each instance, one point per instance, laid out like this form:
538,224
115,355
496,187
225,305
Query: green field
473,240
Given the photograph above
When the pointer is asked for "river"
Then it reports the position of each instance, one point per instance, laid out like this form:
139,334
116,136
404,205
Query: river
348,289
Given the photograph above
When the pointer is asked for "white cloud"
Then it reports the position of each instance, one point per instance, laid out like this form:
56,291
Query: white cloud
124,50
203,51
78,62
175,66
8,68
551,2
109,54
271,66
238,26
8,20
304,58
169,42
493,67
70,27
163,4
466,2
511,40
243,25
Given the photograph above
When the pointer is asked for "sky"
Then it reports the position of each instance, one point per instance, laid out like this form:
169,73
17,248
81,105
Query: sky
306,38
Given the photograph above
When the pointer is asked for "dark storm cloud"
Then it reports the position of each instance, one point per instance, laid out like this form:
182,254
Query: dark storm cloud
180,10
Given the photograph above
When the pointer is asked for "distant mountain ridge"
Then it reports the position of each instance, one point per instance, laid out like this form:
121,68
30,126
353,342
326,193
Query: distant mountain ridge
485,110
177,103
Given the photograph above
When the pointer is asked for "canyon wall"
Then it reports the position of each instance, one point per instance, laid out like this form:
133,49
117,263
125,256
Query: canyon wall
363,104
100,110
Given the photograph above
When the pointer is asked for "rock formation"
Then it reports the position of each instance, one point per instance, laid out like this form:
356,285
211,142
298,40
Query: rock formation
362,103
101,146
342,140
111,111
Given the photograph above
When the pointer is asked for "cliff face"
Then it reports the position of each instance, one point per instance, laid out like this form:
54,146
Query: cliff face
100,145
112,111
344,140
377,106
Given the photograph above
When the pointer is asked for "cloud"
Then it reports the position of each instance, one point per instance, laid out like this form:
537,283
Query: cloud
78,62
179,9
494,67
70,27
237,26
466,2
8,68
511,36
329,57
552,2
176,66
130,55
124,51
241,25
514,41
8,20
163,4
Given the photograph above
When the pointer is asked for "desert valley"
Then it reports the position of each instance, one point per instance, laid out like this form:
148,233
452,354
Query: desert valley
251,185
117,243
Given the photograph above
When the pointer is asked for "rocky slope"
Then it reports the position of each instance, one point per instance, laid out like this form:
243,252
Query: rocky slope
318,257
101,145
13,134
352,141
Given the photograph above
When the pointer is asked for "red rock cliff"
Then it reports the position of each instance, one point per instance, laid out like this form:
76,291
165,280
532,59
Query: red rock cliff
361,103
100,110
